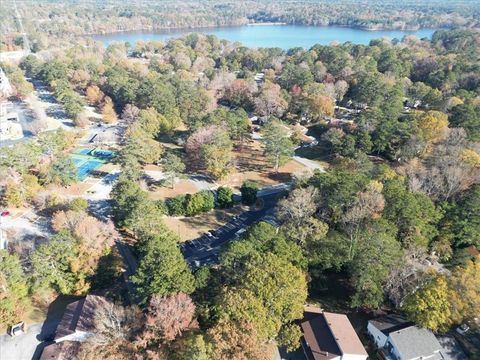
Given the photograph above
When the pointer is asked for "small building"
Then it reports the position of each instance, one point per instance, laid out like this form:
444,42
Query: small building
399,339
259,78
330,336
10,128
76,326
5,87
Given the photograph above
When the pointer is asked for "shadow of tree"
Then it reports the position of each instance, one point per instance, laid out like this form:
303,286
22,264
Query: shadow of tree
54,316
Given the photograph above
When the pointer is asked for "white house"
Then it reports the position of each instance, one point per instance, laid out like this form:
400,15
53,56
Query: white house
10,128
399,339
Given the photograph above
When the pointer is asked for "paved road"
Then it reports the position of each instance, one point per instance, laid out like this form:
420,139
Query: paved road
21,347
100,205
29,345
205,249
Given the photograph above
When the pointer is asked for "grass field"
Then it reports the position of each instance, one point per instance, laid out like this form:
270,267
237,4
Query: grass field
189,228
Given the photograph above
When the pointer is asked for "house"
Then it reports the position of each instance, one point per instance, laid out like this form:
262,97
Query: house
330,336
77,325
65,350
259,78
5,87
399,339
10,128
78,321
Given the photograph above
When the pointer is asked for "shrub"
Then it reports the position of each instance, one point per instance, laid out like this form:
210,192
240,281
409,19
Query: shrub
162,207
208,200
176,206
249,191
224,197
194,204
78,205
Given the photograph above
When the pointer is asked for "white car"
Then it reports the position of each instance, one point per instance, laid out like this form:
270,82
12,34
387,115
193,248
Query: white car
17,329
240,232
462,329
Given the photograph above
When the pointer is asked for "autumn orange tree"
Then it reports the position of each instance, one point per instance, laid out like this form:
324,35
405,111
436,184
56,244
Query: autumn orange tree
94,94
108,112
237,341
74,252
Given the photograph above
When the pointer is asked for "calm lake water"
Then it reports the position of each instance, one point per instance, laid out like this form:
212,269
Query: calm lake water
282,36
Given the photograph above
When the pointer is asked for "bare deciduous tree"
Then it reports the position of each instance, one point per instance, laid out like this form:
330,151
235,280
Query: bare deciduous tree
130,113
299,206
369,204
414,269
270,101
115,330
167,317
443,174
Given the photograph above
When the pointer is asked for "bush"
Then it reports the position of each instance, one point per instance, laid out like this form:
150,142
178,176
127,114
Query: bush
194,204
208,200
162,207
224,197
249,191
176,206
78,205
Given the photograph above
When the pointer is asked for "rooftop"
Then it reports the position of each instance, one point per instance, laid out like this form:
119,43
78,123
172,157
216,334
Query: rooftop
65,350
387,324
414,342
80,315
329,335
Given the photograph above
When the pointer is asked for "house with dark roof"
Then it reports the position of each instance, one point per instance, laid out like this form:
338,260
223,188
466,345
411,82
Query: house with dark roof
330,336
77,325
65,350
78,321
399,339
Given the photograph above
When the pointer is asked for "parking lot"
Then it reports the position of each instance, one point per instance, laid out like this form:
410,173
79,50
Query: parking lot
206,249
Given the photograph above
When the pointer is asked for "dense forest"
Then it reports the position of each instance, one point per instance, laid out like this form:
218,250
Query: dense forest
402,188
54,20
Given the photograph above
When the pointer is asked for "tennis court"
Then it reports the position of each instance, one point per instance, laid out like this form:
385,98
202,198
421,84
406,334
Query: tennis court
88,160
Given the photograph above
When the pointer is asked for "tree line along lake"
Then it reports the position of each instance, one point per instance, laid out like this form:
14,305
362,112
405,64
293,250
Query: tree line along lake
270,35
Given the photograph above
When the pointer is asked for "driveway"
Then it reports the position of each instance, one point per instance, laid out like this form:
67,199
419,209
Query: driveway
312,165
25,227
21,347
451,348
29,346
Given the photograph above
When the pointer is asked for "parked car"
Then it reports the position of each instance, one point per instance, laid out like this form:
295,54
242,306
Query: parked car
17,329
240,233
5,213
462,329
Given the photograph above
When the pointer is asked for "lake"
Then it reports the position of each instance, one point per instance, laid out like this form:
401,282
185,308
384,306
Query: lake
282,36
